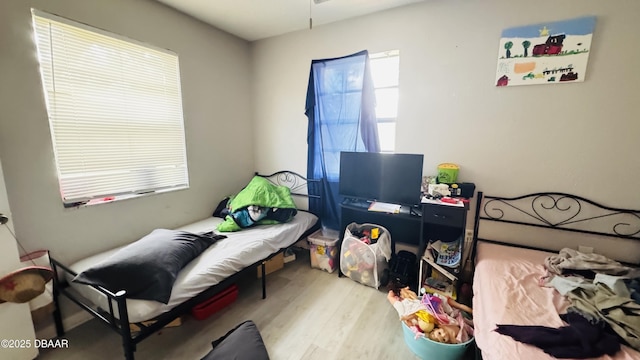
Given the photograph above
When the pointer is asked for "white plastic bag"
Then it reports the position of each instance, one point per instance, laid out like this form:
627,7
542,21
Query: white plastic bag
362,262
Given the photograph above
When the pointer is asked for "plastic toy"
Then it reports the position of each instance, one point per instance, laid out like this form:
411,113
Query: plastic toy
366,277
445,334
411,310
350,260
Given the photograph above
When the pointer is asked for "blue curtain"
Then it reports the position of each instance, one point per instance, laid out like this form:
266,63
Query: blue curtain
341,111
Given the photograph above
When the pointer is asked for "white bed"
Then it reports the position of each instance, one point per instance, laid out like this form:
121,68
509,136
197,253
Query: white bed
213,271
221,260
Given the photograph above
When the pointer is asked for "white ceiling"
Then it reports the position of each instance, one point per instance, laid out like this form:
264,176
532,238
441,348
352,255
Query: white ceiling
259,19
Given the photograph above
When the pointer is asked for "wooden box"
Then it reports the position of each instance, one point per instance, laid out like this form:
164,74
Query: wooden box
174,323
274,264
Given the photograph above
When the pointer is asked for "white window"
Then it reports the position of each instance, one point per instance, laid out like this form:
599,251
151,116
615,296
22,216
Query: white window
115,112
385,68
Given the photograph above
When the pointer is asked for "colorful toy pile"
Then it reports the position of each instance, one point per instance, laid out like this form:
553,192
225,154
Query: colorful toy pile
441,319
323,249
365,252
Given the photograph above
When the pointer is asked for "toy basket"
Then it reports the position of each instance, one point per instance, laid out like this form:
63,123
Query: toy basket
426,348
448,173
362,262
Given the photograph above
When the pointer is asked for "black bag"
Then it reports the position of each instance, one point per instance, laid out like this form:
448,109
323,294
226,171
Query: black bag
402,270
222,210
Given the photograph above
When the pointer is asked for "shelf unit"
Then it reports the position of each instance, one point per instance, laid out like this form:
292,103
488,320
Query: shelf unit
444,223
445,277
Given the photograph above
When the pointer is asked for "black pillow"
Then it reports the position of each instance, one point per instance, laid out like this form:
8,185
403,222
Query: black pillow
241,343
147,268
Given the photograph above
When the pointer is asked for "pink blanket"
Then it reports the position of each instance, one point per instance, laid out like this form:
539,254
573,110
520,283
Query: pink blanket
506,291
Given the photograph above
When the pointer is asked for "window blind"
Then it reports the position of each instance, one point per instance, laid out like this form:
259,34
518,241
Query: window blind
115,111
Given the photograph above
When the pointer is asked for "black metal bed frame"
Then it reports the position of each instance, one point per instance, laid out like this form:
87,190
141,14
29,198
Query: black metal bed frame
537,208
120,324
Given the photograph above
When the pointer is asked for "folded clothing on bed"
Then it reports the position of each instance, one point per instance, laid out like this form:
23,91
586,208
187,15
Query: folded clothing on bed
147,268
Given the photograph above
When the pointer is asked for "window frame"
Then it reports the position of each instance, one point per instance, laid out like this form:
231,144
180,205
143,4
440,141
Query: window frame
171,169
393,119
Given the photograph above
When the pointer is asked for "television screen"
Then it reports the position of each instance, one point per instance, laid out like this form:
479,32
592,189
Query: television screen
393,178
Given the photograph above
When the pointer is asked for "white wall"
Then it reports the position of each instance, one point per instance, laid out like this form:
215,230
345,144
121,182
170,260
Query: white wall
15,319
216,76
567,137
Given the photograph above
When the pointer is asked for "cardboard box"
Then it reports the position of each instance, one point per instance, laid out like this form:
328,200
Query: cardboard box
274,264
174,323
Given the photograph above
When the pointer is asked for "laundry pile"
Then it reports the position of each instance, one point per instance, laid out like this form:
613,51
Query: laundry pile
604,312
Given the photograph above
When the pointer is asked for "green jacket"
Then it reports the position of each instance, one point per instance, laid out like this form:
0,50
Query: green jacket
275,201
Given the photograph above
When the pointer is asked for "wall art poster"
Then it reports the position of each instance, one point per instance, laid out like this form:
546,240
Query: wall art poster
546,53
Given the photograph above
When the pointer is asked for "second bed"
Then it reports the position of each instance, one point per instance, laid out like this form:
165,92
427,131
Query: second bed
507,275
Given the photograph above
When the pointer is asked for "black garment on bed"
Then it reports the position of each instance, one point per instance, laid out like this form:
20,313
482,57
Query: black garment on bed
222,210
146,269
580,339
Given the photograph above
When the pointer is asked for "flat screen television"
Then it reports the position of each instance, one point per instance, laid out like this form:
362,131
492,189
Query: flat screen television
386,177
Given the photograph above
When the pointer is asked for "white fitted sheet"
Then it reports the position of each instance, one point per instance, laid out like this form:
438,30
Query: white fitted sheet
506,291
221,260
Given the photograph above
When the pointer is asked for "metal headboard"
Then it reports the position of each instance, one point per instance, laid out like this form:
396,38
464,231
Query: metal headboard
294,181
559,211
311,189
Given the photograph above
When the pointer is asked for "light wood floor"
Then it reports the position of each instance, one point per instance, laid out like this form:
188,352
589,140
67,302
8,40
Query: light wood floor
308,314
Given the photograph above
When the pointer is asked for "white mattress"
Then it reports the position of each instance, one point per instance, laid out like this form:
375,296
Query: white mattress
221,260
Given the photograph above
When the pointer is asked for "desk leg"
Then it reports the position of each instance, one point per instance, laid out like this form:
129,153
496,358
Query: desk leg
339,258
420,276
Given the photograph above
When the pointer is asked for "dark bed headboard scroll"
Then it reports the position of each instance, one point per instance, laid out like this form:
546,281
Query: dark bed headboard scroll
298,184
294,181
559,211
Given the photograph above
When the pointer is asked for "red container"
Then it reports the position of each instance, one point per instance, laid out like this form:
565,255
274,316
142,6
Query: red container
215,303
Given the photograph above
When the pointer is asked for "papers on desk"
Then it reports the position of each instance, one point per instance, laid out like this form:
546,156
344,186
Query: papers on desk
384,207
